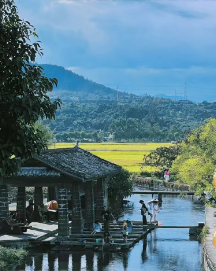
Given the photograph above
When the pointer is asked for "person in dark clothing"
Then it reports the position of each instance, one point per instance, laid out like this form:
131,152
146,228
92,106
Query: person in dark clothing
107,237
29,212
107,215
143,210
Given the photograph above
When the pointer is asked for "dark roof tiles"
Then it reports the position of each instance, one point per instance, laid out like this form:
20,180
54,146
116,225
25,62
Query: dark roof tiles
78,163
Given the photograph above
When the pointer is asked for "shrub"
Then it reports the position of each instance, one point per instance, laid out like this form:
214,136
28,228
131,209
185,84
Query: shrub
10,258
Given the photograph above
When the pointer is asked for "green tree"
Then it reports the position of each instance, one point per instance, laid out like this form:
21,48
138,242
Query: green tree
23,90
120,186
196,163
46,134
162,157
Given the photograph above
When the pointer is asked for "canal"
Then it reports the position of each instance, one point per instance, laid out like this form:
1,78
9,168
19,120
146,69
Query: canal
163,249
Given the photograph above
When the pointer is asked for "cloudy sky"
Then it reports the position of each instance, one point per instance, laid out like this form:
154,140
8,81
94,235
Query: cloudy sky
141,46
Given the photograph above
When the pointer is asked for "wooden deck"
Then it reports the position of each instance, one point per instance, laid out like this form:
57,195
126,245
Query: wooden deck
86,240
46,234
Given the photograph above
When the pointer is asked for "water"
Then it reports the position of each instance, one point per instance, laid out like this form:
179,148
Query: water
163,249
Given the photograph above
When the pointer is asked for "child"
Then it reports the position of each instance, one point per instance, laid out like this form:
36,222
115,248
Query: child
97,227
125,231
129,225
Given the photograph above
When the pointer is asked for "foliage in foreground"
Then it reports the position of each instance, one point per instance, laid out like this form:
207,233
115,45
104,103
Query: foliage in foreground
10,258
23,90
196,163
203,234
120,186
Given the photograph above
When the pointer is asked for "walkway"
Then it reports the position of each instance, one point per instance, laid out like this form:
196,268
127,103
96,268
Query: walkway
209,248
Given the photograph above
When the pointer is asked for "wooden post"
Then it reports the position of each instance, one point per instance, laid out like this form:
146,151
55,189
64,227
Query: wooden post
63,220
99,199
21,203
160,197
52,193
77,225
38,200
4,209
89,205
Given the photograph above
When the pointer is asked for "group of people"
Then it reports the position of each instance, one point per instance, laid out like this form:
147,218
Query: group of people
152,210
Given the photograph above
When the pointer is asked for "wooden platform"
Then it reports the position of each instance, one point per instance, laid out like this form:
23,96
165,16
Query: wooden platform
46,234
164,192
86,240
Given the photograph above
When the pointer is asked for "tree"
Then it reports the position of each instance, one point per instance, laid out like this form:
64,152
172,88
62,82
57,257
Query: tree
162,157
196,163
23,90
120,186
46,134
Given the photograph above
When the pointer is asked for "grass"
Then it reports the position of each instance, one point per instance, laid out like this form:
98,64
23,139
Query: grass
127,155
203,234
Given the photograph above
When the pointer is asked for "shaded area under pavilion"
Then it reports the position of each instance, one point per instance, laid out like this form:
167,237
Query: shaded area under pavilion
70,175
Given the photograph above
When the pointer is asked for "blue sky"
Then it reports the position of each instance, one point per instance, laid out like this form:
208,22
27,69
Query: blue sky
144,47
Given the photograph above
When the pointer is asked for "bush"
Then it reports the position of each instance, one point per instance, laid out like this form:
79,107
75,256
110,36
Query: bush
203,234
10,258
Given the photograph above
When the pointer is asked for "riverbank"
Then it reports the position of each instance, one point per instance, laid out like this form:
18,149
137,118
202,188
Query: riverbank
209,250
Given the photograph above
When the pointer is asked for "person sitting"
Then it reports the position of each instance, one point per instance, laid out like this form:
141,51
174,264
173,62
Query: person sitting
97,227
43,212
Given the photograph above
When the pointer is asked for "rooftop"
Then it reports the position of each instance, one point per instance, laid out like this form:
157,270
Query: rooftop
78,163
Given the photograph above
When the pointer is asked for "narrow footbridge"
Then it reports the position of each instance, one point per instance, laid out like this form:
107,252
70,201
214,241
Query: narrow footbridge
191,193
193,230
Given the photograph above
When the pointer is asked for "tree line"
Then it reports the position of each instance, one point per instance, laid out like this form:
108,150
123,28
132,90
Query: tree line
150,119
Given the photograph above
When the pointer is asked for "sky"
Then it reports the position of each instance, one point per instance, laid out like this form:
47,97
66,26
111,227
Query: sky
143,47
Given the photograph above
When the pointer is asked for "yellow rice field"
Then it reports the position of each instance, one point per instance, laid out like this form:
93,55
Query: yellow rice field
127,155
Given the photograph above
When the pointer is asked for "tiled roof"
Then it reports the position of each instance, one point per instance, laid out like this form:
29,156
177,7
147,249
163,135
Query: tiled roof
38,172
78,163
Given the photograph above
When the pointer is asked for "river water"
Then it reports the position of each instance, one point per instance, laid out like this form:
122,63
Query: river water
163,249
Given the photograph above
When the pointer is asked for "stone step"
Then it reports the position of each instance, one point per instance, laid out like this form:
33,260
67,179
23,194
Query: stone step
99,235
116,240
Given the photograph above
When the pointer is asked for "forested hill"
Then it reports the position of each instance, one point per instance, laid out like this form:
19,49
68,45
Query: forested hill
92,111
72,86
150,119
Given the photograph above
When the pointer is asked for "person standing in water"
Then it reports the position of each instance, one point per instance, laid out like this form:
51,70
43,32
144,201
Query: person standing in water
150,209
155,209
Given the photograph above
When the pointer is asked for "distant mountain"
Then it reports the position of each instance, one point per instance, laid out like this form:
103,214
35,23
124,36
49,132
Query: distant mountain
74,87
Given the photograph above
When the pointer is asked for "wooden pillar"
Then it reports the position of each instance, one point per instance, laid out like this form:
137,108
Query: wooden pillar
63,258
21,203
52,193
89,205
4,209
89,259
99,199
77,226
160,197
63,221
38,200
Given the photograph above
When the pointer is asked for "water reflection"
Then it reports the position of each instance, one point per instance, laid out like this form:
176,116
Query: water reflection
162,249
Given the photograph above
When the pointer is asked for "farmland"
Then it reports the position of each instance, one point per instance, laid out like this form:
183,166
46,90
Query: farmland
127,155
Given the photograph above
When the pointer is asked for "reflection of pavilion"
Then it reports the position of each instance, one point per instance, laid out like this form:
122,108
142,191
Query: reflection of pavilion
72,176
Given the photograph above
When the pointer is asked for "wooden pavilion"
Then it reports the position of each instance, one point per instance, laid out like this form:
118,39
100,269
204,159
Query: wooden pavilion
70,174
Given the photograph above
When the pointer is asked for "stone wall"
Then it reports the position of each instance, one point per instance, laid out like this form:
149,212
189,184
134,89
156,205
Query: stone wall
149,184
209,250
